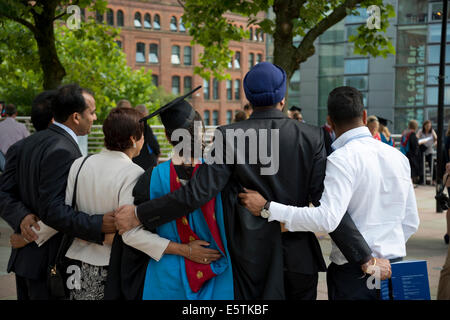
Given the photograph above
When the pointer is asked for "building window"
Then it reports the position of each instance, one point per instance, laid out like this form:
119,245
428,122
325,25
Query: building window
176,85
215,118
187,56
412,11
436,9
229,116
119,43
175,55
187,84
173,24
137,20
147,21
434,33
182,27
251,34
361,18
229,90
294,83
99,17
261,35
355,66
358,82
215,89
251,60
153,53
237,60
255,35
110,17
120,18
140,52
206,117
258,58
206,94
156,22
237,89
155,80
433,73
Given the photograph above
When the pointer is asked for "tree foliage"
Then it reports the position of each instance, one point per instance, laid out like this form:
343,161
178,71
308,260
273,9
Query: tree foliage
211,26
90,57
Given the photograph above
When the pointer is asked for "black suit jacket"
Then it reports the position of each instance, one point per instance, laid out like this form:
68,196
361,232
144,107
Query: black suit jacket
298,182
35,181
145,159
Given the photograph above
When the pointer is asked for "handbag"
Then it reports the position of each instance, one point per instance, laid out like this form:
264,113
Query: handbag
56,277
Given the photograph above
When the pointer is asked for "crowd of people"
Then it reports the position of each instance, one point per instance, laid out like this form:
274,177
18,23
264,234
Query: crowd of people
189,230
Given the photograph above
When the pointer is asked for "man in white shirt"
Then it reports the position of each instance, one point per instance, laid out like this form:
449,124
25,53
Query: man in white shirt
365,177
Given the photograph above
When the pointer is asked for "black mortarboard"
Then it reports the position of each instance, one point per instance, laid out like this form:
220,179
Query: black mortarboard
178,113
295,108
383,121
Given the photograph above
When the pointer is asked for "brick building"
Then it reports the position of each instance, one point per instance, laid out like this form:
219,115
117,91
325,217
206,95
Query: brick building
153,36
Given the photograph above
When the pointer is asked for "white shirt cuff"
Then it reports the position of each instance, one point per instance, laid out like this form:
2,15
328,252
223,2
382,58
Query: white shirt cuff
277,212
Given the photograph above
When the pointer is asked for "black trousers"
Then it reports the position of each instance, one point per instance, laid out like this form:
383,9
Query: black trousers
300,286
29,289
349,282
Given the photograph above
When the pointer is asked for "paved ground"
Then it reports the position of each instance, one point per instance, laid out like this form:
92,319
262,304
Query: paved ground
427,244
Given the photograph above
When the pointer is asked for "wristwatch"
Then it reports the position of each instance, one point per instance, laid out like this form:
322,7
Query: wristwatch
265,213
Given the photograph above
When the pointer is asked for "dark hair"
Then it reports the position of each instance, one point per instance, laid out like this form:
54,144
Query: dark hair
68,100
240,116
296,115
119,126
41,110
424,124
345,104
248,106
124,103
10,109
191,130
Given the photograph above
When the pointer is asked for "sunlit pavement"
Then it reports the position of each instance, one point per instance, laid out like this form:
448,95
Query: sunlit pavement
427,244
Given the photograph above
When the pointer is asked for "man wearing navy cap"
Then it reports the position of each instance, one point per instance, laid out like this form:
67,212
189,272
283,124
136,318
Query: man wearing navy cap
267,263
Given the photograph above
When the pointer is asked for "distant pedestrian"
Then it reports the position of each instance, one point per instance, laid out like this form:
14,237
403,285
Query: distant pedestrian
248,109
427,140
124,103
240,116
11,131
410,147
384,132
373,125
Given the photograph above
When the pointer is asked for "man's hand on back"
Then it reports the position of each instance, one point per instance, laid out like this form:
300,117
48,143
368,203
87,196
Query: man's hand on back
126,218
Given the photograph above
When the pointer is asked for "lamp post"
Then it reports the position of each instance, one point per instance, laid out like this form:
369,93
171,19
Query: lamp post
440,119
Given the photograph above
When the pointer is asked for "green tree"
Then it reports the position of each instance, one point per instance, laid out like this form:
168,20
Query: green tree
210,27
90,57
39,18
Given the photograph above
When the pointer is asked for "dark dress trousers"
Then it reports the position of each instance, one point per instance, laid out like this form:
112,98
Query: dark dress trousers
148,157
35,182
260,253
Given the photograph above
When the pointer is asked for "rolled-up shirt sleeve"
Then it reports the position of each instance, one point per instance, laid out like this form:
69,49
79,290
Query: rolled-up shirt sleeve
333,204
150,243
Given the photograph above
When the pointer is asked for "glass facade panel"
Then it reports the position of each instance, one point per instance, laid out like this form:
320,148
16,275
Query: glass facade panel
434,53
410,86
434,33
412,11
355,66
403,115
331,59
432,95
334,34
294,83
326,85
358,82
411,45
433,73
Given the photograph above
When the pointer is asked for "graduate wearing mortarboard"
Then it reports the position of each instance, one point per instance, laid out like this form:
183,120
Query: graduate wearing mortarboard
176,276
385,135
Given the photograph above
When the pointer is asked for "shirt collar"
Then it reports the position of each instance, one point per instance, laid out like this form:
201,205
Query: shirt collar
348,135
67,129
118,154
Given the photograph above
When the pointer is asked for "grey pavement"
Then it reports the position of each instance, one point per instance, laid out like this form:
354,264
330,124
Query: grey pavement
427,244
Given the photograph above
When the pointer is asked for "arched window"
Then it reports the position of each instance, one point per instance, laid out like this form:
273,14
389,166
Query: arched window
175,55
187,84
156,22
206,94
153,53
137,20
147,21
182,27
176,85
237,60
187,56
140,52
206,117
173,24
261,36
99,17
251,34
120,18
110,17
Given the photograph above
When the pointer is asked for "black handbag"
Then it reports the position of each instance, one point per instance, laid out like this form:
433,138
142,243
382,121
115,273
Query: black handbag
56,275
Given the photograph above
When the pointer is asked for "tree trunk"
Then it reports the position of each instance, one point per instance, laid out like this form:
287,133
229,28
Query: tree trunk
52,68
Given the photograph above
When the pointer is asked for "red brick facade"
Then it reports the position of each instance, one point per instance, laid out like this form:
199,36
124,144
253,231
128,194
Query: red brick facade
222,107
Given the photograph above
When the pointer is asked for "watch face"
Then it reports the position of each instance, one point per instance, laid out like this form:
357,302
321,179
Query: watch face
265,213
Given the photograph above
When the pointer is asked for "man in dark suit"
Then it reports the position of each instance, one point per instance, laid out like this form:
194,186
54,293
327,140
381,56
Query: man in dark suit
33,187
267,264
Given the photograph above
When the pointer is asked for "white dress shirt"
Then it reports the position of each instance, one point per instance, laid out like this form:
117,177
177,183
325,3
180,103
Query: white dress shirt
106,182
372,181
67,129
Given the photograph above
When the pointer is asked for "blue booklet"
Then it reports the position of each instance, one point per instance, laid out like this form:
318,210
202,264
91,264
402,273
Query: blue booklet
409,281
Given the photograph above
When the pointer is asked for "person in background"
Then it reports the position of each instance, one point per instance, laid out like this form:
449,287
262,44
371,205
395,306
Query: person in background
240,116
296,116
292,110
11,131
385,135
248,109
373,124
124,103
383,204
329,136
427,140
444,279
409,146
149,155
